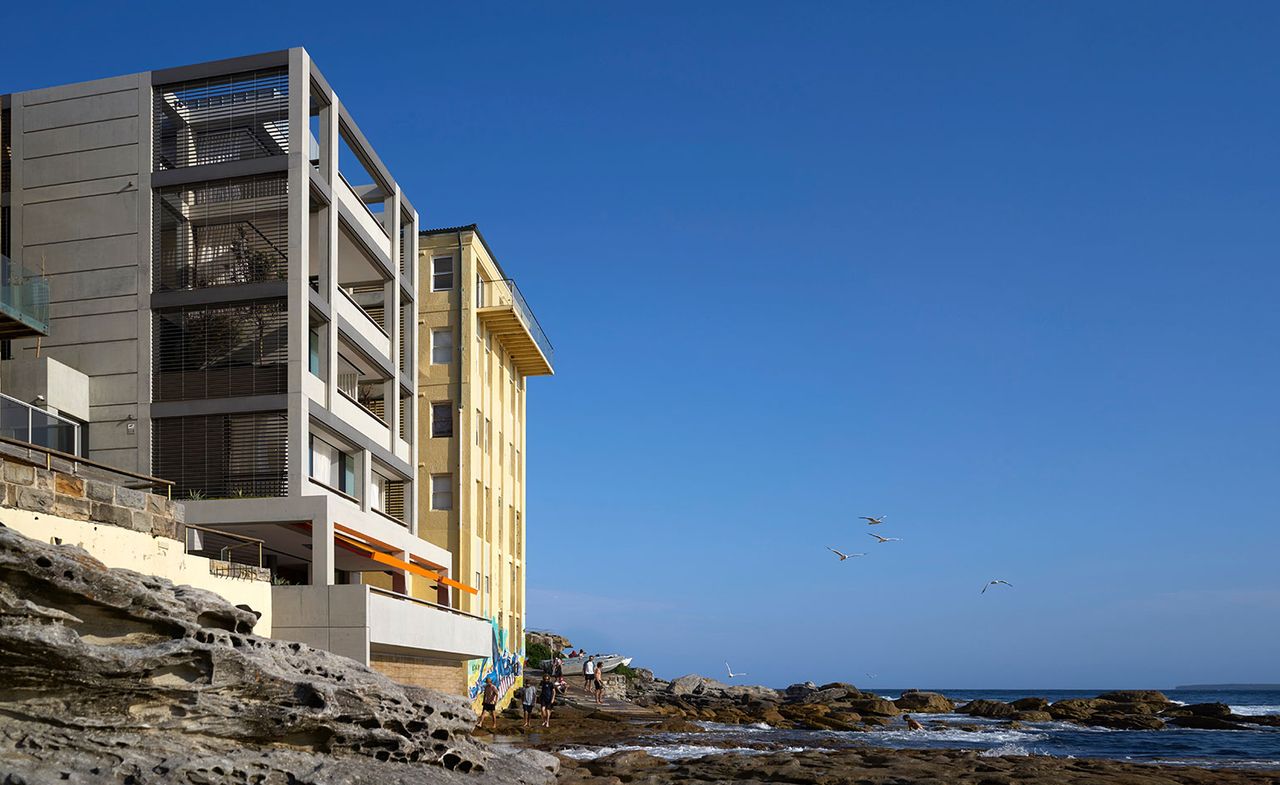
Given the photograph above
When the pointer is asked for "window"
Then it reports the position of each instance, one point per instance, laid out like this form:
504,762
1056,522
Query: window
519,541
442,491
378,492
442,420
479,426
441,346
442,274
488,434
479,291
500,463
332,467
314,350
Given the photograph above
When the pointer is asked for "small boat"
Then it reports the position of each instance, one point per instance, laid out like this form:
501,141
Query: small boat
573,665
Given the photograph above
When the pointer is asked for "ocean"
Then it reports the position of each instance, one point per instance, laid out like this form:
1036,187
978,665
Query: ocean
1257,748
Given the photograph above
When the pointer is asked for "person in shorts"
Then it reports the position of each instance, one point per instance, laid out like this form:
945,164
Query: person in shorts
489,705
546,699
588,672
528,697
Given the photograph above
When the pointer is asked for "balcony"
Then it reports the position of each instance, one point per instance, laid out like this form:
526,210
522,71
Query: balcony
24,301
23,422
503,309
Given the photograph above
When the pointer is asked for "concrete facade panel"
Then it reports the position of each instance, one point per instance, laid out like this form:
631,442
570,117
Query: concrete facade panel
93,359
118,389
88,217
83,306
80,166
79,111
89,136
67,191
93,328
94,254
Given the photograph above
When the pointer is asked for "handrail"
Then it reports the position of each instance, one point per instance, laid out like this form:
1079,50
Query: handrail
398,596
224,553
76,459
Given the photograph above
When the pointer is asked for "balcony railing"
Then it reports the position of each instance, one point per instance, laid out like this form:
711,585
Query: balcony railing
23,422
24,300
503,293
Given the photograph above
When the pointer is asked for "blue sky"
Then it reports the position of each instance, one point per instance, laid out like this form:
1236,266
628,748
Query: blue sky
1005,272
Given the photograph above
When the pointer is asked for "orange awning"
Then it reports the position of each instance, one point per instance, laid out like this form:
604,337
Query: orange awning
391,561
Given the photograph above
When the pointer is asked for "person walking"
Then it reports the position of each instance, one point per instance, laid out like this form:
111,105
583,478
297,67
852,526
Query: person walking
546,698
598,685
490,705
557,666
588,672
528,697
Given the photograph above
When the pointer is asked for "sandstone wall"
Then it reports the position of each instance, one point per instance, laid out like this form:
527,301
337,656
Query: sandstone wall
448,677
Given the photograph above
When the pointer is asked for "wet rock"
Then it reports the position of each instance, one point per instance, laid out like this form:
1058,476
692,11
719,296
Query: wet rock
1033,716
1126,721
1073,709
987,708
1135,696
1204,722
1030,704
925,702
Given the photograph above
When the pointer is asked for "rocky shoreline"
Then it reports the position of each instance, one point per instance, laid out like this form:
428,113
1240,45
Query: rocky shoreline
844,707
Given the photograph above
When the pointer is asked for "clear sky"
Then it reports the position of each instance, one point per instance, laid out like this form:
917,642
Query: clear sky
1005,272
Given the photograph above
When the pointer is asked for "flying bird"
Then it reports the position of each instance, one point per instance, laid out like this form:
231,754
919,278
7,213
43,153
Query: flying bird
885,539
731,673
872,521
844,556
995,583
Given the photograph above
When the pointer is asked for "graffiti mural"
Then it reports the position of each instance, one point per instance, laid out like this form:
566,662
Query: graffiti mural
504,665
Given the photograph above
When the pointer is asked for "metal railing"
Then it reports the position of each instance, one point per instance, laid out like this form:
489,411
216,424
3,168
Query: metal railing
24,295
515,299
75,462
232,555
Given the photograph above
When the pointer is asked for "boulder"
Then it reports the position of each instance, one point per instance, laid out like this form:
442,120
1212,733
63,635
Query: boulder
1030,704
873,706
825,695
693,684
1135,696
987,708
1073,709
1117,721
1033,716
925,702
169,679
1219,710
800,690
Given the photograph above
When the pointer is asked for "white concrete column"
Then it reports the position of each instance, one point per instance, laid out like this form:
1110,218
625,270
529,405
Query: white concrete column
298,305
391,317
329,281
322,559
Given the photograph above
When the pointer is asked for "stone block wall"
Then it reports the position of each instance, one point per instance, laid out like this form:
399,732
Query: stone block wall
421,672
37,489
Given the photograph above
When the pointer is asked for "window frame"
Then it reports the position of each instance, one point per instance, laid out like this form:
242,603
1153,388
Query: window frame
436,273
448,407
448,481
441,331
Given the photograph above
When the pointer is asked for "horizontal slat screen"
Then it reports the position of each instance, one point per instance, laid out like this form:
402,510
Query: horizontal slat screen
394,503
221,232
220,351
220,456
226,118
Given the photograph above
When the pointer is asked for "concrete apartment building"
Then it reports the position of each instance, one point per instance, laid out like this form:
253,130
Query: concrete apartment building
233,289
480,344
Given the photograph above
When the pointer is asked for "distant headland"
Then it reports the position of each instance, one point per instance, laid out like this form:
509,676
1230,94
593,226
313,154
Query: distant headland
1236,687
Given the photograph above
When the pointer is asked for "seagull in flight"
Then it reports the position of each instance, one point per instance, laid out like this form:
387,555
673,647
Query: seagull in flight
732,675
885,539
989,584
844,556
872,521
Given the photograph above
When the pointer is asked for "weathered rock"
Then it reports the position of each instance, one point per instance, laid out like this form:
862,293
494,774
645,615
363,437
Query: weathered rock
1219,710
987,708
1135,696
1073,709
925,702
1117,721
874,706
693,684
1033,716
111,676
797,691
1030,704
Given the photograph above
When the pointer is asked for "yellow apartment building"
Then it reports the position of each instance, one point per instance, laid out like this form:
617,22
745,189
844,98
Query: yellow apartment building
479,344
